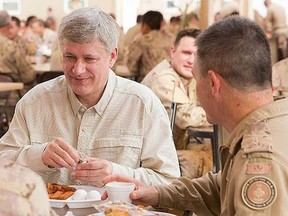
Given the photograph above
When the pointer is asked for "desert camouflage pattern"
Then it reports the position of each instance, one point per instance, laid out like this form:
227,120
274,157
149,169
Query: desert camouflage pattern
276,20
166,83
13,61
254,174
280,77
147,51
22,192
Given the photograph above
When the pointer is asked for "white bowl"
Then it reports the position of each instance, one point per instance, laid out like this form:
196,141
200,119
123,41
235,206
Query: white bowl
120,191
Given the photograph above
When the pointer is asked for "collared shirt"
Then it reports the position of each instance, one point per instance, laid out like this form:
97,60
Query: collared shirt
254,175
22,192
128,127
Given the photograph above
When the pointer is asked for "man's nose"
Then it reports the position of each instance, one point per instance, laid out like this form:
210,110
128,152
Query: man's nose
79,67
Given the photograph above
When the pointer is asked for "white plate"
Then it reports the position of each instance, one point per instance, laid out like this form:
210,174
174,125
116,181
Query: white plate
78,203
162,213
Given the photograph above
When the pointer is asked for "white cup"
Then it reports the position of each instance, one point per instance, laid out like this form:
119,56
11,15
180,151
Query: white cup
120,191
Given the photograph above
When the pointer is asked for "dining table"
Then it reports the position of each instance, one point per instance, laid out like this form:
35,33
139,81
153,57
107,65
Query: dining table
11,86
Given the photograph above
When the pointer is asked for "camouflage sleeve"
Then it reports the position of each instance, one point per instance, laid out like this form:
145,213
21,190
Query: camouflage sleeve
25,70
134,56
188,113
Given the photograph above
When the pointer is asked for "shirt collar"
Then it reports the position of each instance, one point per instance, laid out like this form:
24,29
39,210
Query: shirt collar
103,102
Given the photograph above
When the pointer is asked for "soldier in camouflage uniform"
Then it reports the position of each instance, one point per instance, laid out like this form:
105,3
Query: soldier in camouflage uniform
173,82
30,47
280,77
150,48
12,59
22,192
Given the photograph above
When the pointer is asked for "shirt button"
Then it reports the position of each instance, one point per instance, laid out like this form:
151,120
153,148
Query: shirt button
82,110
84,129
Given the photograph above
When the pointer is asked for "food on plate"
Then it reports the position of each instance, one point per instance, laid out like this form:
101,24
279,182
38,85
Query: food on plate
120,208
93,194
80,194
59,192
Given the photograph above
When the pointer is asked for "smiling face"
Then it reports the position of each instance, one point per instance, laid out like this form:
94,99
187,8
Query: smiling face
86,68
182,57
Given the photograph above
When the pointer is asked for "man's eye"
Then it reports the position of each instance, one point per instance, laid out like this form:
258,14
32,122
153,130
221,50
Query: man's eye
70,58
88,59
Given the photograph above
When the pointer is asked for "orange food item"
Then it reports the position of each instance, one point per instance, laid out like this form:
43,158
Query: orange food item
60,192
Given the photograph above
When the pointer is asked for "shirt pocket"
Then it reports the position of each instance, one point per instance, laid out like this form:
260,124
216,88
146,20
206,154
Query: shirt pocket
122,150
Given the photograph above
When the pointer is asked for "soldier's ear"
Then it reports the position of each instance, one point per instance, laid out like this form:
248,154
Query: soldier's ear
172,51
215,82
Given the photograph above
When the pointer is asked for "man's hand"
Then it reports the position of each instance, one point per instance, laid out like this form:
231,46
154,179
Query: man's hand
93,171
60,154
143,194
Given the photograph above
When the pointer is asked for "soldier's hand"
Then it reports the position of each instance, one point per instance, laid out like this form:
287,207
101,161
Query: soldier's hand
143,194
60,154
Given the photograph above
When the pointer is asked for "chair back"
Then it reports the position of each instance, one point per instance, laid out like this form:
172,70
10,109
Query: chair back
48,75
172,114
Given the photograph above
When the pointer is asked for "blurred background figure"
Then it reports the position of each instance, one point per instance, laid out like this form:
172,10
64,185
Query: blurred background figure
174,25
133,32
47,35
14,34
217,16
51,21
28,34
276,26
12,56
151,47
280,77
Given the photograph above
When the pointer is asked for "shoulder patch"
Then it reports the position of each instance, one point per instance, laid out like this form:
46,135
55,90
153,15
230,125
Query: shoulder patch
257,138
259,192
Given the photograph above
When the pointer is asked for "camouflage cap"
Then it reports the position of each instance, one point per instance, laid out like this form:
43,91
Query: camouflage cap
4,18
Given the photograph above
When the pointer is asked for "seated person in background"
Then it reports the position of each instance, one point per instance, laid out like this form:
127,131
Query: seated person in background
12,57
174,82
254,170
22,192
47,35
152,47
29,46
118,125
280,77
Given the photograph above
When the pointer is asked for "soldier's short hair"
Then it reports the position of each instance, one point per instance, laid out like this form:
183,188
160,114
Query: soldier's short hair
16,20
153,19
86,25
4,18
194,33
238,50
